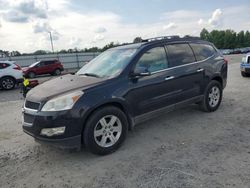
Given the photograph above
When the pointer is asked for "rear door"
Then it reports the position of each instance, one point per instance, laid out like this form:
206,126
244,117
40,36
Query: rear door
49,67
184,72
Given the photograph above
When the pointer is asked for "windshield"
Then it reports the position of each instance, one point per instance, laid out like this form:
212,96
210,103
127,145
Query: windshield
34,64
108,64
246,59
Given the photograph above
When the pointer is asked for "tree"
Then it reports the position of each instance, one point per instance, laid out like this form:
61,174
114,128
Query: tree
40,52
227,39
204,34
137,40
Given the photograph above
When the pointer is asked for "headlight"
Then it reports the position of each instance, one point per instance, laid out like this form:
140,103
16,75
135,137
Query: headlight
64,102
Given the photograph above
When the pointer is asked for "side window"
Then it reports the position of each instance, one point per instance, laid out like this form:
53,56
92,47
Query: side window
202,51
4,65
179,54
49,62
152,60
248,59
41,64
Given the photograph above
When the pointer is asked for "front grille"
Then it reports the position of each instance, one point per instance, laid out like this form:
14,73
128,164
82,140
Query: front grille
28,118
32,105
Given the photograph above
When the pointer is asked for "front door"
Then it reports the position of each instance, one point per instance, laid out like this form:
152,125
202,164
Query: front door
154,91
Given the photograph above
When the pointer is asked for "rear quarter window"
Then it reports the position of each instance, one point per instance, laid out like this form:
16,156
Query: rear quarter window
202,51
179,54
4,65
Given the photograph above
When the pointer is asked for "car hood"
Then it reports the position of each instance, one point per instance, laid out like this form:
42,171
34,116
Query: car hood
61,85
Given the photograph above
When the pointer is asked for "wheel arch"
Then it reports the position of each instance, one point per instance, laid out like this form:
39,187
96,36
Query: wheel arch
6,76
116,103
219,79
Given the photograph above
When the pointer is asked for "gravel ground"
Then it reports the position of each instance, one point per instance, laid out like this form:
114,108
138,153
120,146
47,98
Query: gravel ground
184,148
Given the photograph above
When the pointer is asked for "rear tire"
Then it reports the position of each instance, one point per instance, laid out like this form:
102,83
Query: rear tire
7,83
105,130
212,97
31,75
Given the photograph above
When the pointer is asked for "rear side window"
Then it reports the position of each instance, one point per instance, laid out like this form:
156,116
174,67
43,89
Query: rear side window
49,62
4,65
202,51
180,54
153,60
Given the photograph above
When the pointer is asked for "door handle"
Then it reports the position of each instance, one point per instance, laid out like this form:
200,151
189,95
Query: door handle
200,70
169,78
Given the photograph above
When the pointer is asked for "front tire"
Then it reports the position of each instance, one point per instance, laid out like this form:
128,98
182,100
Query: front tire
105,130
212,97
244,74
7,83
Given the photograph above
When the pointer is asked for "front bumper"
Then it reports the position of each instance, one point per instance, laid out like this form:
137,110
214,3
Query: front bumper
245,67
35,121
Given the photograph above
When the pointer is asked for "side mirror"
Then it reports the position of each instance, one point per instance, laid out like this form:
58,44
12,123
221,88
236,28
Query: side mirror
140,72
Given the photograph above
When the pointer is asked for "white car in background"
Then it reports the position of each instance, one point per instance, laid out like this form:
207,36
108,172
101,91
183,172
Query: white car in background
10,75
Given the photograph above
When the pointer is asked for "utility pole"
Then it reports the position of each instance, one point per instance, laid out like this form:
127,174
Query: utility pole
51,41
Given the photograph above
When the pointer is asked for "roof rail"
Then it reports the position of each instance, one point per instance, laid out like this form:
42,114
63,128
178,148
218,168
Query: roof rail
161,38
191,37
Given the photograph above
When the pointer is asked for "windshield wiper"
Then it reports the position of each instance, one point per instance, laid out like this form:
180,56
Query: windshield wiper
91,74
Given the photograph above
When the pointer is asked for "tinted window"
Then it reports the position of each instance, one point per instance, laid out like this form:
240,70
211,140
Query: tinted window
180,54
4,65
41,64
202,51
49,62
153,60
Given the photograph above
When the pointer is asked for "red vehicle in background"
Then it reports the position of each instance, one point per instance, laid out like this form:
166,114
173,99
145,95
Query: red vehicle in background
53,67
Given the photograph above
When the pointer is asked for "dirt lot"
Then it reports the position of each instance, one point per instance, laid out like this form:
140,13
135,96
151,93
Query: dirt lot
184,148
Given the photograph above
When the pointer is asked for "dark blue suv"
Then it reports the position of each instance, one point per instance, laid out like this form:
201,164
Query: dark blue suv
121,87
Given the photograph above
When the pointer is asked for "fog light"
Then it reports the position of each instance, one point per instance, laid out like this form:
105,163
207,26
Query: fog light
52,131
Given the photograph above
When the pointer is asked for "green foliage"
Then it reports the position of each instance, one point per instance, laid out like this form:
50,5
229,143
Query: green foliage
226,39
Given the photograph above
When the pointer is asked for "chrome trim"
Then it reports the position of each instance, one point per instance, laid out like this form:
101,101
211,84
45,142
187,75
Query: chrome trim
27,124
196,62
200,70
169,78
29,109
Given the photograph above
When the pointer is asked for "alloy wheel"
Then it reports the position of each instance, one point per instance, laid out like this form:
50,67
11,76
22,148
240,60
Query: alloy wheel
8,83
214,96
108,131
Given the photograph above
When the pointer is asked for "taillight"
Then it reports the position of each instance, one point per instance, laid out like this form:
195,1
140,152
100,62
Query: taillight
226,61
17,67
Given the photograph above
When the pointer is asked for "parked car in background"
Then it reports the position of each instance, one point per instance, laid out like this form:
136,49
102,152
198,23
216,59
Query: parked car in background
53,67
122,87
245,65
225,51
10,75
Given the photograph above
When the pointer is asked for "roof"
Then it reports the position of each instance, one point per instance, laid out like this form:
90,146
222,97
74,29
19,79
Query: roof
156,40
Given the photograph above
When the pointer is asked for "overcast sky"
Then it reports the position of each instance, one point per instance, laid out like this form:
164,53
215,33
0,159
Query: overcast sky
24,24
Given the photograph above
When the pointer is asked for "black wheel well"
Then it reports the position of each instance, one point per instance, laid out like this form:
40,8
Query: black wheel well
8,76
219,79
